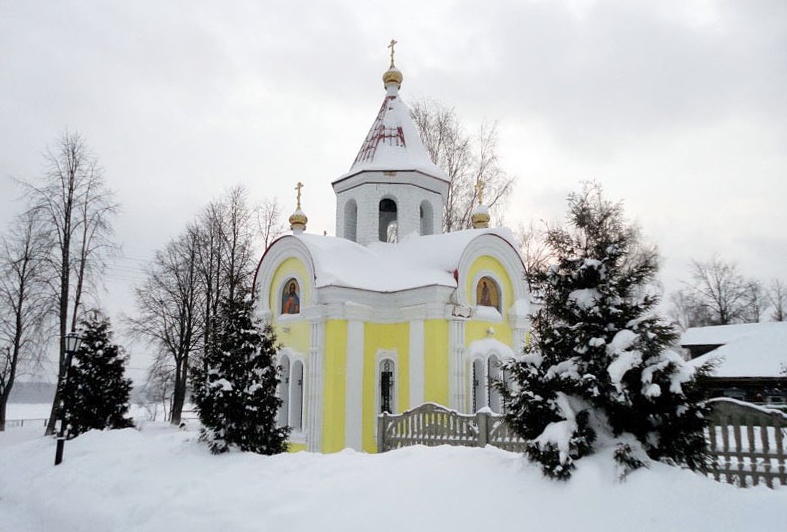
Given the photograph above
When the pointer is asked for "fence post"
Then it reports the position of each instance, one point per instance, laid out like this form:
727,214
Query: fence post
382,423
483,428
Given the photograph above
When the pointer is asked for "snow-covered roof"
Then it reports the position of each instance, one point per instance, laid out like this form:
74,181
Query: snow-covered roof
393,142
414,262
747,350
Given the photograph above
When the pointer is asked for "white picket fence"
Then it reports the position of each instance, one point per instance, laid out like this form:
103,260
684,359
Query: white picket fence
431,424
746,442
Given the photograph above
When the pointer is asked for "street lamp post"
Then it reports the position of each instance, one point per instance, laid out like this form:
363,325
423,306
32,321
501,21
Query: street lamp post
73,342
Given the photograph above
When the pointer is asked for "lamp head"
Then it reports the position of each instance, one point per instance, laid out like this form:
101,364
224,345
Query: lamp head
73,342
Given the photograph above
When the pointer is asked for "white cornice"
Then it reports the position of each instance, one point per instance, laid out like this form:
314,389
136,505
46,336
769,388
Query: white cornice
413,177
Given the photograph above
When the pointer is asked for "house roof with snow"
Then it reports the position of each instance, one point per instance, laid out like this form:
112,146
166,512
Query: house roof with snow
744,350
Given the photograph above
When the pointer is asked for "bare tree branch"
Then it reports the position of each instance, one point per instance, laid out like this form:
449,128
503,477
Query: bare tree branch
76,209
24,302
213,260
534,248
777,297
269,221
465,158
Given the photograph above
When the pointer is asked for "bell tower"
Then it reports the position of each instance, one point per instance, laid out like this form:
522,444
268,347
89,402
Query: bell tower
392,188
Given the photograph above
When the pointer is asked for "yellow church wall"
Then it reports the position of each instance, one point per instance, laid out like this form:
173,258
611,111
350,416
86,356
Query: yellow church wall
436,361
291,331
290,267
490,264
478,330
335,383
294,334
388,337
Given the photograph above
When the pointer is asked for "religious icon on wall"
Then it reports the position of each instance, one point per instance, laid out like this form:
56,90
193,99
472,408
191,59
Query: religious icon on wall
290,298
487,293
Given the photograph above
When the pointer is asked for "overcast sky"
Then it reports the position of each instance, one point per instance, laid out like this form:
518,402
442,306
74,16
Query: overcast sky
677,108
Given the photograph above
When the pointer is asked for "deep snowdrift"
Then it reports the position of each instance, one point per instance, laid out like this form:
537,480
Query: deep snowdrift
162,479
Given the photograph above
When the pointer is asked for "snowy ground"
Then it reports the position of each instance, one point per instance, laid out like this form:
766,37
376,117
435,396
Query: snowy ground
161,478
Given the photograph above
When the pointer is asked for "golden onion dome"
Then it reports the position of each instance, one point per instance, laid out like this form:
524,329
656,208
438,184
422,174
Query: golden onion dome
480,219
298,221
480,216
392,75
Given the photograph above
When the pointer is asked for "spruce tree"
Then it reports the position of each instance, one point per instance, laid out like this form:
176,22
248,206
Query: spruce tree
96,393
598,370
235,386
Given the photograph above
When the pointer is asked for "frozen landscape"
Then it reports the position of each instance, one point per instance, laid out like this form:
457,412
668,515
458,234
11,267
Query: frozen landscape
160,478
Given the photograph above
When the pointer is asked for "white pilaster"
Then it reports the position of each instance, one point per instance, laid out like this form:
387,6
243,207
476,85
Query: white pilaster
456,365
314,413
416,363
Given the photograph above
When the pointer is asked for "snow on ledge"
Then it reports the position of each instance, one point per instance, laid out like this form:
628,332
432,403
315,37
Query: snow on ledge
487,345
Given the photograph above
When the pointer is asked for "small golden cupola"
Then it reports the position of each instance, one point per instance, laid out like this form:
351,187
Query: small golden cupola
480,216
392,76
298,219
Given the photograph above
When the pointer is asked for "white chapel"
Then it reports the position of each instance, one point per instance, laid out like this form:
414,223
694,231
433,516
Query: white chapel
391,312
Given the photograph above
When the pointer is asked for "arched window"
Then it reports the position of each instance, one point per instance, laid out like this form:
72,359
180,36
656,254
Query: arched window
387,386
479,385
351,221
291,298
493,376
427,219
296,396
388,221
284,391
487,293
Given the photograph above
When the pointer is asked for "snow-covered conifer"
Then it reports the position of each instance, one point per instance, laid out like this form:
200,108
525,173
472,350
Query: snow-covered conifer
598,370
235,387
96,394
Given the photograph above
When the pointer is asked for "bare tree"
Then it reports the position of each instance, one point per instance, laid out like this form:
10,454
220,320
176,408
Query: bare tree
465,158
533,247
777,297
76,209
685,311
225,234
159,386
755,302
269,221
24,302
169,304
720,289
237,239
212,261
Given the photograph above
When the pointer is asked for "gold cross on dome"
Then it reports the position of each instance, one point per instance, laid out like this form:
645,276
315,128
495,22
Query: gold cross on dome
298,187
391,46
479,191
